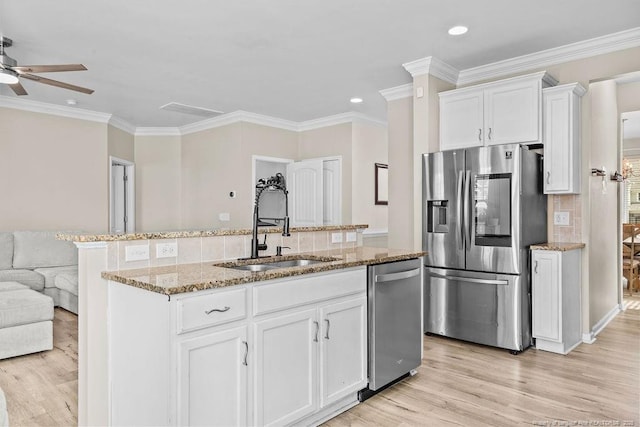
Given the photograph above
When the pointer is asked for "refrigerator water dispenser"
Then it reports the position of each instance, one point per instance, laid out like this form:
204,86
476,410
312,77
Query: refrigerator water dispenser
437,220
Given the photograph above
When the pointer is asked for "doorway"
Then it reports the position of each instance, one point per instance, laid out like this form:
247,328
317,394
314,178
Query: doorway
121,196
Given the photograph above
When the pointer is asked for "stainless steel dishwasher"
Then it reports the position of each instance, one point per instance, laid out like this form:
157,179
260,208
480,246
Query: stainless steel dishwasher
395,323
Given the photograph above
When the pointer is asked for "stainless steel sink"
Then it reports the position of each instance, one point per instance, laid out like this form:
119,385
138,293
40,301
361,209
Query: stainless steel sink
273,264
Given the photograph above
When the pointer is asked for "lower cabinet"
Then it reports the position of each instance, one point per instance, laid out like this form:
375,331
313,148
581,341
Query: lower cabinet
277,352
208,396
556,301
306,360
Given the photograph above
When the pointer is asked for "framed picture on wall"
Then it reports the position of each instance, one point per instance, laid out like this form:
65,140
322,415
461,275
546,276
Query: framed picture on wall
382,184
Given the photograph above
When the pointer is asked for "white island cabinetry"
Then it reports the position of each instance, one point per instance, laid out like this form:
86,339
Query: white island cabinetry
275,352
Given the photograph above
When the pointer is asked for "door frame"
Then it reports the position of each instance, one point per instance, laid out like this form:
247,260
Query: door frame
130,188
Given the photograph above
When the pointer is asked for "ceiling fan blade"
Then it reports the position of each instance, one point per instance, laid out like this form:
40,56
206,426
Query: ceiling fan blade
56,83
18,89
49,68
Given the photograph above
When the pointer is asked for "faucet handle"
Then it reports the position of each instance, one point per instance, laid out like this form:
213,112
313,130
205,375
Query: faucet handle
263,246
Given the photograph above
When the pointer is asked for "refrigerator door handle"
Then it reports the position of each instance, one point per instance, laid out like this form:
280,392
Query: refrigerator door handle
460,228
467,202
470,279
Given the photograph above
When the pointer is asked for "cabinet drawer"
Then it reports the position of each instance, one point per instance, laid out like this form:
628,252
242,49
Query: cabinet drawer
208,310
300,291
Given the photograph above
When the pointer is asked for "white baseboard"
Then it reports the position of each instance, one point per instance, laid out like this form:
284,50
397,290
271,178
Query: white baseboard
590,338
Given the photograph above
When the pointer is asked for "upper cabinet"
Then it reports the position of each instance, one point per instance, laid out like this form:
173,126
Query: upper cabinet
504,112
561,137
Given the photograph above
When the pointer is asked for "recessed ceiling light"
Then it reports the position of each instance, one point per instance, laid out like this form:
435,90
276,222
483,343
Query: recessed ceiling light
458,30
71,102
356,100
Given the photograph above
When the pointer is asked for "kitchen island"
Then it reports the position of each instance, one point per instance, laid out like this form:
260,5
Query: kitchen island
147,343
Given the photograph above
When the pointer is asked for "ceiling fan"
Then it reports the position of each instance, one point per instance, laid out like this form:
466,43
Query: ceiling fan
10,72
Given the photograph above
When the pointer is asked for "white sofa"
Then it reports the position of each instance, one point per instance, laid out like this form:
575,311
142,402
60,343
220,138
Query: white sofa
46,265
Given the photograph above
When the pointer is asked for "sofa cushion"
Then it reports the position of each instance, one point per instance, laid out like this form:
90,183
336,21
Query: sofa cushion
33,249
50,273
68,282
6,250
24,306
11,286
27,277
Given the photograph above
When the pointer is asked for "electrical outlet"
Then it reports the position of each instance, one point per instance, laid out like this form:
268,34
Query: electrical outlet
224,216
352,236
336,237
136,253
167,280
166,250
561,218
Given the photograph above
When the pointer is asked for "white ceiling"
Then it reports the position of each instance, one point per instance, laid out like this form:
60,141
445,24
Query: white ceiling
291,59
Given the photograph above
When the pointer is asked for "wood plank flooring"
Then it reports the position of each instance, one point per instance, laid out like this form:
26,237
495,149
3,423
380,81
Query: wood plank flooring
458,384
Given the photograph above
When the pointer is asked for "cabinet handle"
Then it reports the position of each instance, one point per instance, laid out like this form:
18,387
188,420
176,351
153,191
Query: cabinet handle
246,352
326,335
480,134
219,310
315,339
549,177
489,133
535,268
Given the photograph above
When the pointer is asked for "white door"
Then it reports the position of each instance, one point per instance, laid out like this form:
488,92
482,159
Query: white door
512,113
343,362
119,198
285,370
214,397
332,192
306,194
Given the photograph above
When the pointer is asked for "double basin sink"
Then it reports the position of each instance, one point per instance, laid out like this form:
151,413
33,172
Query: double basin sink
273,263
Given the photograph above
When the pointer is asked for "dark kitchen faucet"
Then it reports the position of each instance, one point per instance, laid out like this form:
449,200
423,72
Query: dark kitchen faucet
276,182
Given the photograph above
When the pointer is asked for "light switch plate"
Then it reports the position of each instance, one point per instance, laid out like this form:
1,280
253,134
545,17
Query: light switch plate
136,253
336,237
224,216
561,218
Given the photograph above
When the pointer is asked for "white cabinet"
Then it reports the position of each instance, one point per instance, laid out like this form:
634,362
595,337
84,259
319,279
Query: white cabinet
310,352
285,374
556,296
343,360
212,379
561,138
503,112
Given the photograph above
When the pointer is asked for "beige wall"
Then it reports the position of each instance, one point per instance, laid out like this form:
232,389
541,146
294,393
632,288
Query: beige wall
628,97
400,136
53,172
158,178
120,144
369,147
332,141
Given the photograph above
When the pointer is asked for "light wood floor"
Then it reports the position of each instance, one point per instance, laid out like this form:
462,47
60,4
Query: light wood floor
457,384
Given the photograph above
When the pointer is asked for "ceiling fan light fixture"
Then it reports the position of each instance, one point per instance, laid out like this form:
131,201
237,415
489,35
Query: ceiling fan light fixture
7,77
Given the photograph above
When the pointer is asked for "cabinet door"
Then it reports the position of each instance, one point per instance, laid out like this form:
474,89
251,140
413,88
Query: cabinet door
546,295
561,152
343,362
512,113
286,366
212,378
461,119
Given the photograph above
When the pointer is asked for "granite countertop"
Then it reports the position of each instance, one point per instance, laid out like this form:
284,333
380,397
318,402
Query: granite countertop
181,278
111,237
557,246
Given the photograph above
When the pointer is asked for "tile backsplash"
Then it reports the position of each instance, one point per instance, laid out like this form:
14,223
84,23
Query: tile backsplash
572,204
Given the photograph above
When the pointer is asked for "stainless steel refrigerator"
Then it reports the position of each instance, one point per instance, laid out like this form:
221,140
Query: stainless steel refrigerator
482,209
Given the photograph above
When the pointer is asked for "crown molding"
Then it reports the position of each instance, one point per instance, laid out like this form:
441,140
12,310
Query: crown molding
122,125
397,92
584,49
349,117
576,88
238,116
157,131
434,66
56,110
